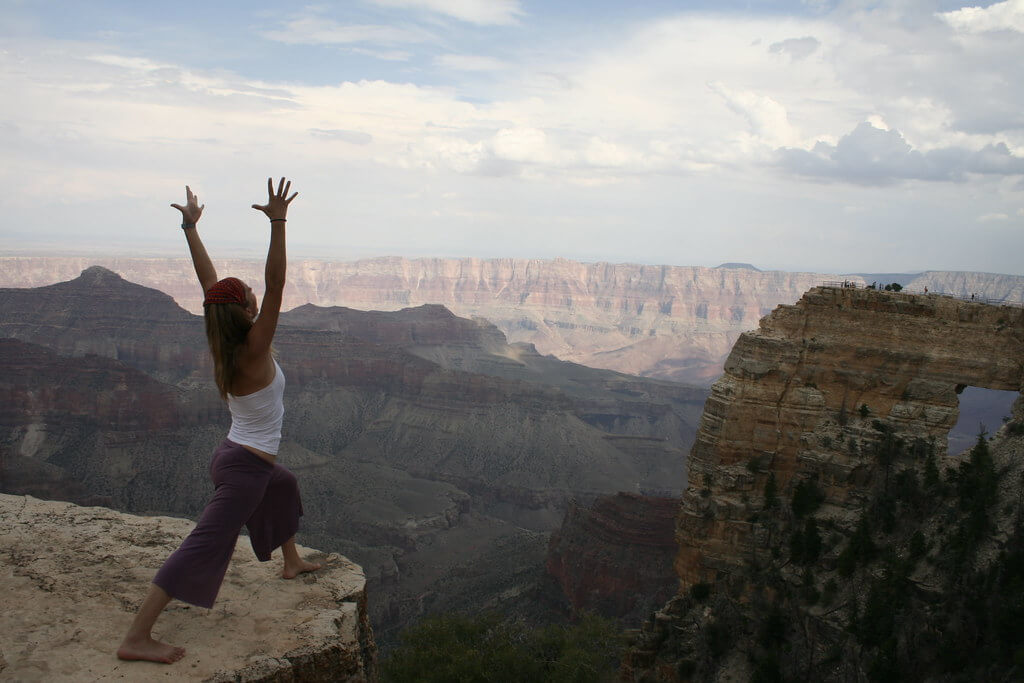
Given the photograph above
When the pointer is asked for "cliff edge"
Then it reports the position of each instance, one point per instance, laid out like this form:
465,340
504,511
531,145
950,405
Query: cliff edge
72,578
801,395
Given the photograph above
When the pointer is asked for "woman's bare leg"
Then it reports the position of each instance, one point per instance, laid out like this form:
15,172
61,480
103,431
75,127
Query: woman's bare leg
293,564
139,643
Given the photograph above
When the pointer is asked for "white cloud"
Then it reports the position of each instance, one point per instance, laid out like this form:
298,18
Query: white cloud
796,48
993,218
1001,16
481,12
470,63
872,156
523,145
768,120
608,133
349,136
385,55
317,30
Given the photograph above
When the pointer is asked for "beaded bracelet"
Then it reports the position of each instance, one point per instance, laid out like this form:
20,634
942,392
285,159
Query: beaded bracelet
186,226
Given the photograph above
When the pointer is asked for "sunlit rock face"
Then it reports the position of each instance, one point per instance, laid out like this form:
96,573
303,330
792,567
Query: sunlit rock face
804,391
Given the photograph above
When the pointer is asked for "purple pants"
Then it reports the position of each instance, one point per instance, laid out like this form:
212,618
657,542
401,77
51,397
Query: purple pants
248,491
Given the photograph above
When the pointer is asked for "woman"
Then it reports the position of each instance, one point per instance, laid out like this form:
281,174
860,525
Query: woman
250,489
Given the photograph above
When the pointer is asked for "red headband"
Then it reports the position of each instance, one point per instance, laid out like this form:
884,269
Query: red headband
230,290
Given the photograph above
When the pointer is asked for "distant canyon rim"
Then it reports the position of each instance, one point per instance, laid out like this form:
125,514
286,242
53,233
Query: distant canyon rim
666,322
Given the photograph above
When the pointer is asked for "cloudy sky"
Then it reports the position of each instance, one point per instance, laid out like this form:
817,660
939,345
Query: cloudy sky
877,136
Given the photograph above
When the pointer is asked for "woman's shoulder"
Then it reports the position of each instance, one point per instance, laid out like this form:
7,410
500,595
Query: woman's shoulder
254,373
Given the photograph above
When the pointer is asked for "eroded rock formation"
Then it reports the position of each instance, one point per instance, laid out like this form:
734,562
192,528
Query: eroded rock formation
810,382
72,578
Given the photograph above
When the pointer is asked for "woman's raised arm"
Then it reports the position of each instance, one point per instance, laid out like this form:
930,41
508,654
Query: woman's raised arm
276,209
190,214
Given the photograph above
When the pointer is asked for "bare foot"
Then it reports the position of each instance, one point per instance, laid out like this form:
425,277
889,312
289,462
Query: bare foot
149,650
291,570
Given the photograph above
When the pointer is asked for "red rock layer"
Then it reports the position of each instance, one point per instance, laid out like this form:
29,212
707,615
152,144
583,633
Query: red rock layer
615,557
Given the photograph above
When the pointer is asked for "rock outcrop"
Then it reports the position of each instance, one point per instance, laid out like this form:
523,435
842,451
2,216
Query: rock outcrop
72,578
801,394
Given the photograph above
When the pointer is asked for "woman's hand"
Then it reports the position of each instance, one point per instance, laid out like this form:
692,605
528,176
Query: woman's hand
276,207
192,210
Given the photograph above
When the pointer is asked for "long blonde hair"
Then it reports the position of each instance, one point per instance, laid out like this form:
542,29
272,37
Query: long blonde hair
227,326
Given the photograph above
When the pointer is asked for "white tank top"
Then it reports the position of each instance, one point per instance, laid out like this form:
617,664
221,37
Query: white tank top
256,418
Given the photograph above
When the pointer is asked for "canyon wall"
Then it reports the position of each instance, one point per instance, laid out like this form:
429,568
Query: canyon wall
669,322
812,380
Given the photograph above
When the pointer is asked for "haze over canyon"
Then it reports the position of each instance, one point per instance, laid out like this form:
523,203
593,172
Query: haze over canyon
668,322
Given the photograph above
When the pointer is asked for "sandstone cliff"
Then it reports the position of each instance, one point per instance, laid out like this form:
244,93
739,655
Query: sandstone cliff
811,381
72,578
670,322
825,533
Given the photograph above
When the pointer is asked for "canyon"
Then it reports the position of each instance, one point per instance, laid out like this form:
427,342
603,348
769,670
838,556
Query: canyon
668,322
820,492
429,450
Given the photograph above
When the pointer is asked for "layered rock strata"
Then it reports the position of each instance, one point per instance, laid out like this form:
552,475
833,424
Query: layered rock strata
801,396
72,578
669,322
615,556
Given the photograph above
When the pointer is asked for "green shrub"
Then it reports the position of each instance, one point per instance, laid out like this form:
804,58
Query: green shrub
771,493
807,498
487,647
805,544
860,549
719,639
700,591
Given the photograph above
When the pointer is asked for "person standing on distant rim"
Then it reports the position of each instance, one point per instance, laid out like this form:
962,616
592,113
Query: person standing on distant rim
250,489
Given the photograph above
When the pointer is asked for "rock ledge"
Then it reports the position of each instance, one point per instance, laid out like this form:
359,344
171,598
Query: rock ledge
72,578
